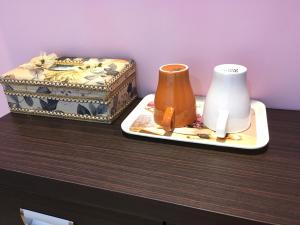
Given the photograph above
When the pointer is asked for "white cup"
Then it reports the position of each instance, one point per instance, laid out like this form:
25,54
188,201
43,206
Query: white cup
227,104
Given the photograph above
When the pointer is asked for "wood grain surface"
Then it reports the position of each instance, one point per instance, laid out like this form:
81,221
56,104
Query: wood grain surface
96,165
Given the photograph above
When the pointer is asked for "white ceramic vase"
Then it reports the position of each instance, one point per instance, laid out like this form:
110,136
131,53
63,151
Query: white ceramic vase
227,104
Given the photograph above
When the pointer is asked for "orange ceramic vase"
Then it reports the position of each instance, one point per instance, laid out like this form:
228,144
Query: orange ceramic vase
175,104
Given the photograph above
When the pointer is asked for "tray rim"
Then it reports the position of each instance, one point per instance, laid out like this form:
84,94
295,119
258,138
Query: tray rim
262,130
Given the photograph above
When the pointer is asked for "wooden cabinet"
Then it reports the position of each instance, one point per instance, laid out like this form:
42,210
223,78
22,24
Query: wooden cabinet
92,174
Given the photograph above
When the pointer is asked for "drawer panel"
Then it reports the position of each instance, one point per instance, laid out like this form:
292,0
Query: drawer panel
12,201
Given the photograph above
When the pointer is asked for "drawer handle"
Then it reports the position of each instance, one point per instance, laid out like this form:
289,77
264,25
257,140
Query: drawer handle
35,218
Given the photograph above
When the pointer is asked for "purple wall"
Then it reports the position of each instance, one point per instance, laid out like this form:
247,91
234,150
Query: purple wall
263,35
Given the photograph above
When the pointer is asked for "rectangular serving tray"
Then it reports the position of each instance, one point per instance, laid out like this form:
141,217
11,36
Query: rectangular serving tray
260,127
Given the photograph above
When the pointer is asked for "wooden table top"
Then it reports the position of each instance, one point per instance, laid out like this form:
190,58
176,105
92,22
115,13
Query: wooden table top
170,181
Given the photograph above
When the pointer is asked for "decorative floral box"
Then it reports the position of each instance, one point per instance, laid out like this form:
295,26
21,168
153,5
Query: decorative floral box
89,89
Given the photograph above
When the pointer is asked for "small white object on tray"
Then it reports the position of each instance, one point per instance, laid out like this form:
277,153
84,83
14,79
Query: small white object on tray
140,123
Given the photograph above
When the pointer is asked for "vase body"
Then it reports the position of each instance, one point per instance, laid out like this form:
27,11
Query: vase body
174,98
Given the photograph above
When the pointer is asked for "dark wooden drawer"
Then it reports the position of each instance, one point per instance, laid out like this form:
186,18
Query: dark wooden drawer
12,201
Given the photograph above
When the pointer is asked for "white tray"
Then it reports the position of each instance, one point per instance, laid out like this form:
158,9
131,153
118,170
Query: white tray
256,137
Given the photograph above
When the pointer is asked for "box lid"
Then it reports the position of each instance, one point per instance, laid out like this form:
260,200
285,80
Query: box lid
85,73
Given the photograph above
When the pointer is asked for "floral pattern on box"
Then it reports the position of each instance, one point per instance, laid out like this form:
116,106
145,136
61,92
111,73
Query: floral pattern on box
57,91
96,89
79,71
62,107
